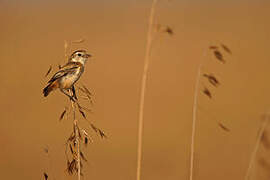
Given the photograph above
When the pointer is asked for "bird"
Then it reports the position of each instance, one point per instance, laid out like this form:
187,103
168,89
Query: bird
65,78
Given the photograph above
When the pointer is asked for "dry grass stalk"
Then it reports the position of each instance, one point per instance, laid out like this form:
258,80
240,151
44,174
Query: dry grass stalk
194,118
143,88
256,147
77,136
75,125
212,79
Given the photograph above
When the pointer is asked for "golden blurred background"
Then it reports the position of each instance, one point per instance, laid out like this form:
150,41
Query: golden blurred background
32,38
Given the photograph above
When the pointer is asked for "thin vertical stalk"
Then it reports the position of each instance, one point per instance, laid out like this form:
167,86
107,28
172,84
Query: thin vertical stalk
194,118
143,88
75,124
257,144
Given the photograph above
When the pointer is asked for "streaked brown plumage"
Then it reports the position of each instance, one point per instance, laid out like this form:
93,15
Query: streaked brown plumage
69,74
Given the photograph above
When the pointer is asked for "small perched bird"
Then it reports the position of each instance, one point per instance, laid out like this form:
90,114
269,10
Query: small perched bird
68,75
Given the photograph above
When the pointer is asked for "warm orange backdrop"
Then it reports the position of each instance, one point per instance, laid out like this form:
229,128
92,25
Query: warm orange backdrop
32,38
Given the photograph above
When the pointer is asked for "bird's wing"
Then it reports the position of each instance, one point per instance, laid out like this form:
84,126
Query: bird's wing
66,69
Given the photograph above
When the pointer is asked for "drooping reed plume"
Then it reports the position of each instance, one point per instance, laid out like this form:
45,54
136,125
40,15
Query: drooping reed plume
213,80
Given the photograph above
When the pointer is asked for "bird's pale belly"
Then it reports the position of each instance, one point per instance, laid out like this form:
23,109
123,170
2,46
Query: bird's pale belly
68,81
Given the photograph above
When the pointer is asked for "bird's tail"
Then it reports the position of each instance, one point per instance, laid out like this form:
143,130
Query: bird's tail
49,88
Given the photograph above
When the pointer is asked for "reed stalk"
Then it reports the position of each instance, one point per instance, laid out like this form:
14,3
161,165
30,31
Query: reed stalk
143,87
256,147
75,124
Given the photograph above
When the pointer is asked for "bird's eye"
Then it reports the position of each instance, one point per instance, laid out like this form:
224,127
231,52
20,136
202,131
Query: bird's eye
79,54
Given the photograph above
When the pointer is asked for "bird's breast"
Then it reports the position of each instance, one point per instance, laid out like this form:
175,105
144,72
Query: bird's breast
68,80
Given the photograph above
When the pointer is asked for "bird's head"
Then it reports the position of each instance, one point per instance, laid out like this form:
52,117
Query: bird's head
79,56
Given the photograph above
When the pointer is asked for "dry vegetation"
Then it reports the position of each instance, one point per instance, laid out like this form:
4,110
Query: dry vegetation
152,29
213,81
80,137
262,138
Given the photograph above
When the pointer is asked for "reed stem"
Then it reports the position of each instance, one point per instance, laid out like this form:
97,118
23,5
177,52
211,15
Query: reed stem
143,87
256,147
75,124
